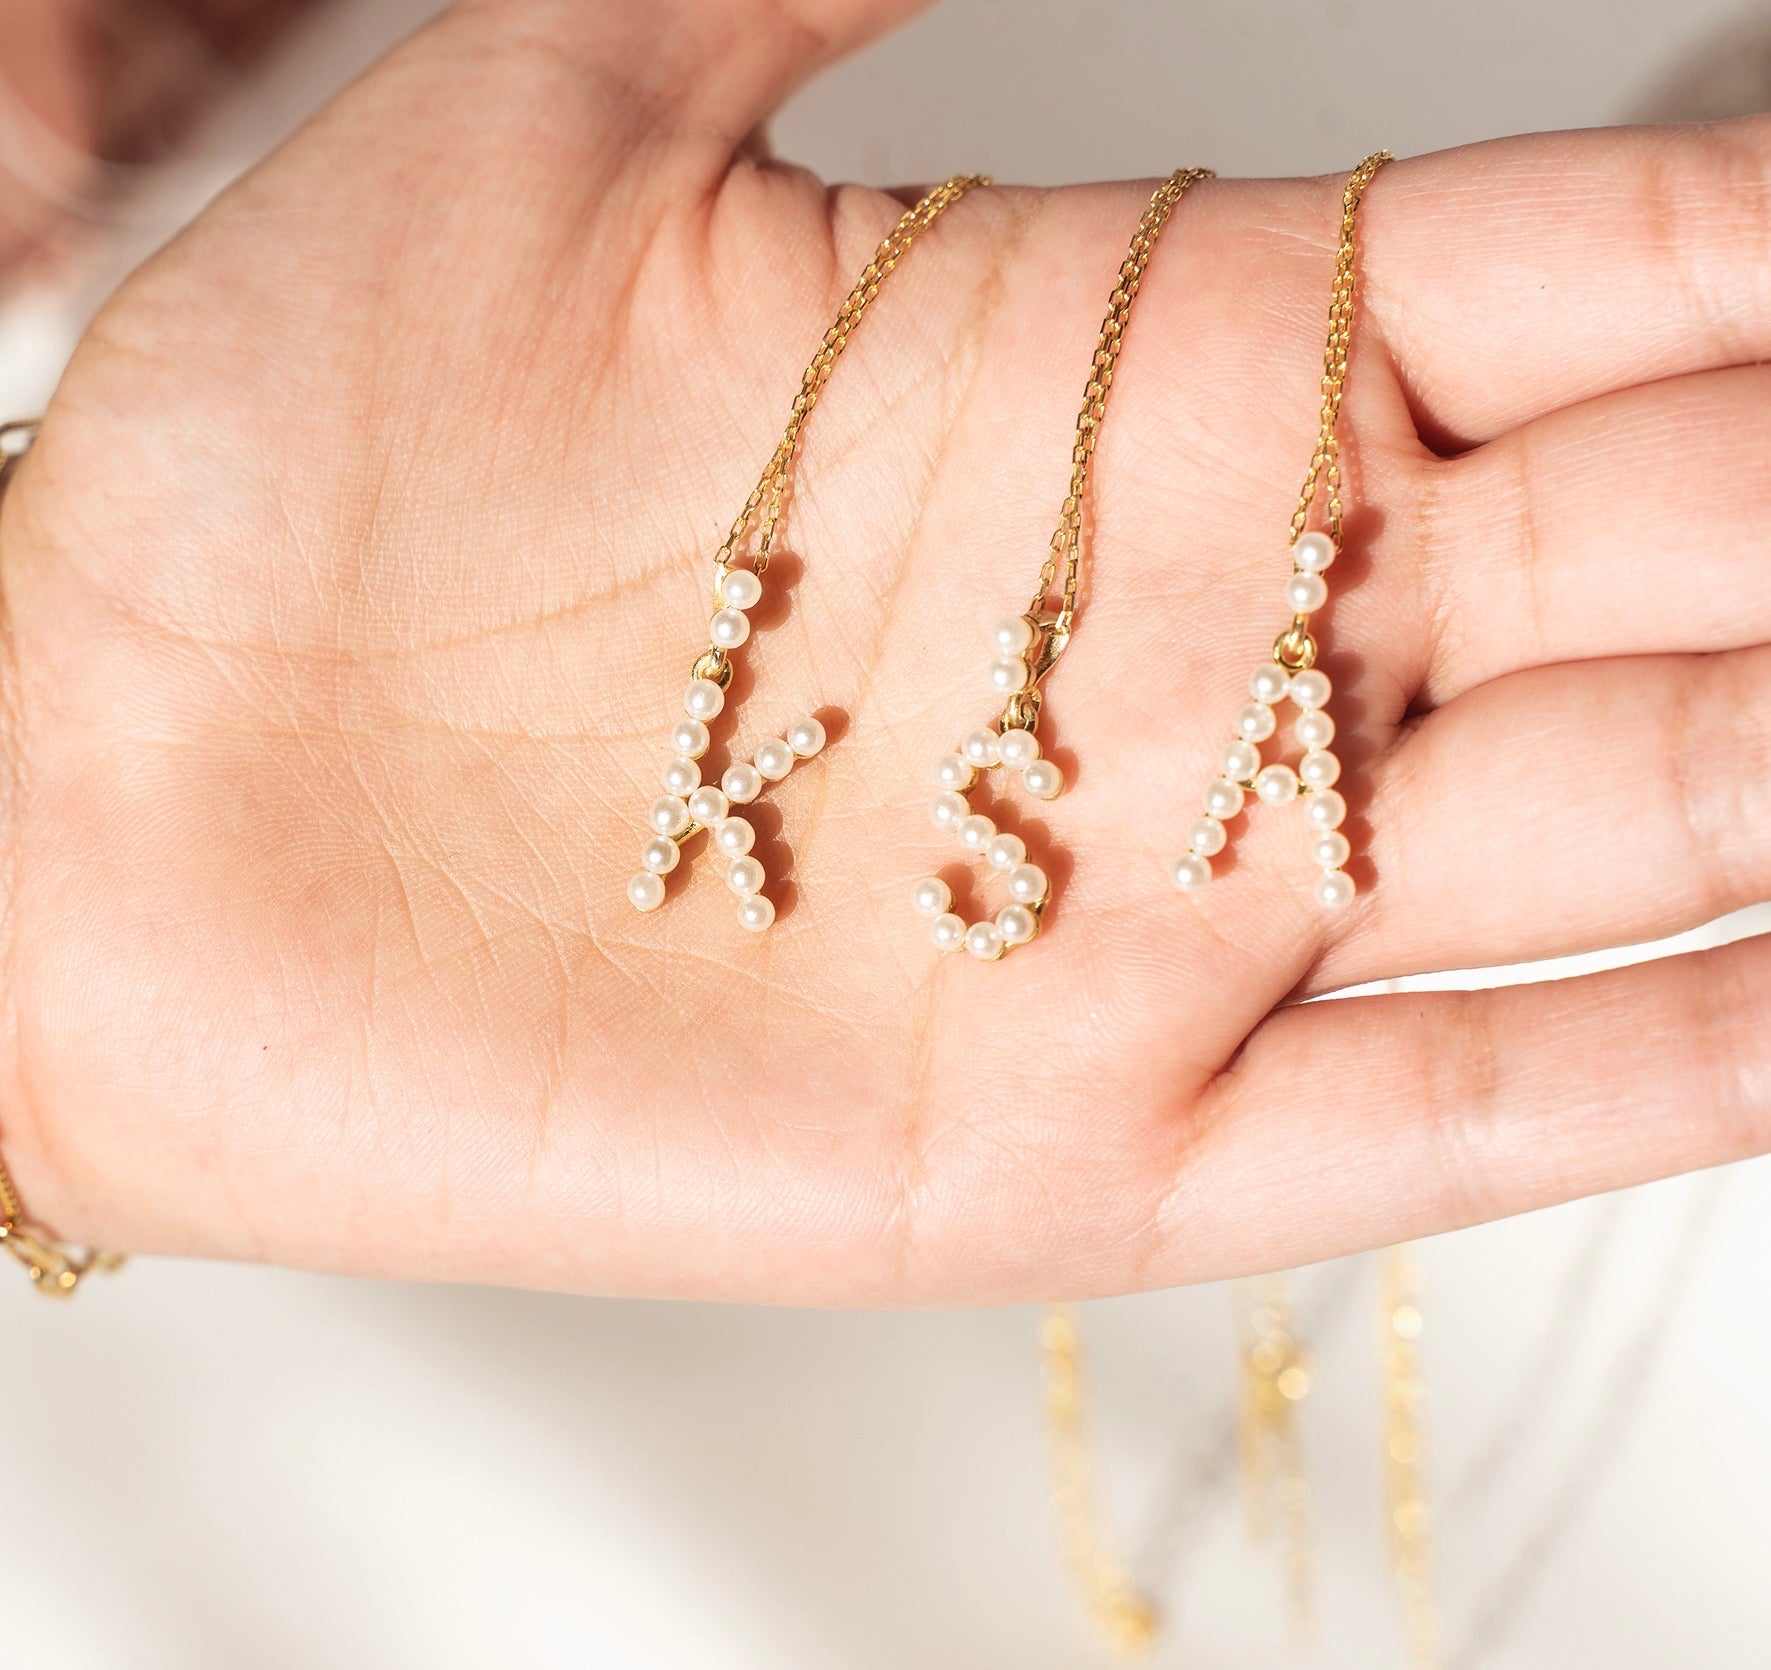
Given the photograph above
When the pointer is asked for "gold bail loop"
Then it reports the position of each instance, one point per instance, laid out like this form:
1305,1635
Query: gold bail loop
1051,637
1294,649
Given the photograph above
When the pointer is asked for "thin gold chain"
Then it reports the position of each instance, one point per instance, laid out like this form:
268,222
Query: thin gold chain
1409,1528
892,249
1065,553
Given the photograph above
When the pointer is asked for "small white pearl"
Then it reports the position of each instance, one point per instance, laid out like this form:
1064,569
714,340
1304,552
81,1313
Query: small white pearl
976,832
1018,748
1005,852
1012,635
1276,785
645,891
1318,769
1008,673
707,805
660,856
1017,924
1206,837
984,941
703,699
982,749
1330,848
745,877
1190,872
773,760
734,836
1314,728
689,738
1241,761
669,816
1305,593
741,589
1334,890
954,771
1255,723
1313,552
946,810
728,628
1267,684
1326,810
1027,884
755,913
682,777
948,932
742,783
1043,780
1311,688
805,737
1223,799
931,896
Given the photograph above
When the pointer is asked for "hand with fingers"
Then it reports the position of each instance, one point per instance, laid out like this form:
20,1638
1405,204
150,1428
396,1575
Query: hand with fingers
350,576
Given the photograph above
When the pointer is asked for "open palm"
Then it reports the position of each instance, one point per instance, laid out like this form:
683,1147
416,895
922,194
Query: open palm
353,585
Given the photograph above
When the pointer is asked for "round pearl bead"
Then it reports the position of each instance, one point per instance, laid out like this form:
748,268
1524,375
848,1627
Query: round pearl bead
1017,924
805,737
773,760
1018,748
1276,785
755,913
982,749
1314,728
1005,852
728,628
1008,673
689,738
1223,799
1241,761
669,816
1334,890
1255,723
1012,635
645,891
1043,780
952,771
931,897
1305,593
745,877
976,832
1027,884
707,805
984,941
1311,688
1318,769
1190,872
741,589
742,783
948,932
682,777
734,837
1268,684
1331,849
660,856
946,810
1326,810
1206,837
703,699
1313,552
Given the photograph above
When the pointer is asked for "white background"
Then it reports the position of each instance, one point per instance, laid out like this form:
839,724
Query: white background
234,1469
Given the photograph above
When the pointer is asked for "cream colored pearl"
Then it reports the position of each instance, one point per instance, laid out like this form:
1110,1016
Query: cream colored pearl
1008,673
1276,785
1255,722
982,749
1267,684
660,855
1314,728
669,816
734,837
1018,748
1043,780
806,737
1017,924
707,805
1330,848
1005,852
755,913
1223,799
1313,552
1190,872
1334,890
1206,837
742,783
645,891
953,771
976,832
1012,635
948,932
689,738
1306,593
1311,688
682,777
1027,884
1318,769
741,589
984,941
745,877
728,628
1241,761
946,810
932,897
773,760
703,699
1326,810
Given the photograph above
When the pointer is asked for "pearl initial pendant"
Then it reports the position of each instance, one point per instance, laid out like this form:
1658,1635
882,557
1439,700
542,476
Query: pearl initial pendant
1290,675
688,805
1025,650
